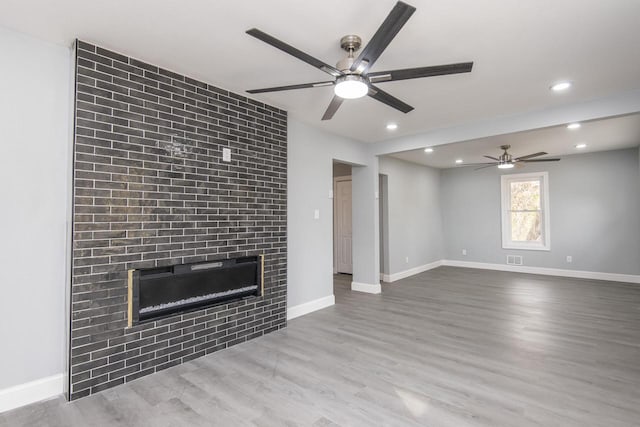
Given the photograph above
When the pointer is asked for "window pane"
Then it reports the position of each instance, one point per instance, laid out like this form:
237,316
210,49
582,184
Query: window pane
525,195
526,227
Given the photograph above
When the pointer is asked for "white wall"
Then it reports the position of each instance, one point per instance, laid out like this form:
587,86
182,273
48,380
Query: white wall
34,132
310,179
595,214
414,214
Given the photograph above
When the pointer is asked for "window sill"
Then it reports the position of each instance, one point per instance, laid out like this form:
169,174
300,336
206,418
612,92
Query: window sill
526,247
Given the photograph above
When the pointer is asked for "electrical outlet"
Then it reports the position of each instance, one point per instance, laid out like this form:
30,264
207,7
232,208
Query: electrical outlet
464,252
226,154
406,260
569,259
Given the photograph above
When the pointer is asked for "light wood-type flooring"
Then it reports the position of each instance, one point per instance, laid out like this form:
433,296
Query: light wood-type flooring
448,347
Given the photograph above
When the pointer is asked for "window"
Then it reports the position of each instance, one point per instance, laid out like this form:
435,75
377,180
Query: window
525,211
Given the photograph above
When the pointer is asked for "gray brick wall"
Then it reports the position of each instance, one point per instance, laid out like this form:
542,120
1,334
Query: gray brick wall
151,189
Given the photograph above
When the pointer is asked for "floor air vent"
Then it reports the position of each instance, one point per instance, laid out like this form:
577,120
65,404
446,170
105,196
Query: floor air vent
514,259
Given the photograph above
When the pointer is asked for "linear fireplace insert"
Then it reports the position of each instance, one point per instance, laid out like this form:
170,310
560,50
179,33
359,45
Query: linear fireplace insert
163,291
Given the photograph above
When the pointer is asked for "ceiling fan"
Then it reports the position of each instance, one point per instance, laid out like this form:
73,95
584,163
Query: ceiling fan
507,161
352,78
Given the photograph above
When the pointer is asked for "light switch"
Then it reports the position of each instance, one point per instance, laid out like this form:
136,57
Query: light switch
377,195
331,194
226,154
316,214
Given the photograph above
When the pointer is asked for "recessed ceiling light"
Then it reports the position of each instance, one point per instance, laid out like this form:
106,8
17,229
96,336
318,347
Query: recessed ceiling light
581,146
458,161
561,86
392,126
573,126
428,150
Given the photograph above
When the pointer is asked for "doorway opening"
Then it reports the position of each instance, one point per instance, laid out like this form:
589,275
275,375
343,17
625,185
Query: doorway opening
342,219
383,199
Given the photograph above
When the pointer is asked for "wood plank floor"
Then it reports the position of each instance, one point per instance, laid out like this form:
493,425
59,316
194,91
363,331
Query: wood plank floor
449,347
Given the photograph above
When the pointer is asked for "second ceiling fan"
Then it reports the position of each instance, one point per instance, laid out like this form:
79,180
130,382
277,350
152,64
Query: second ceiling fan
352,78
507,161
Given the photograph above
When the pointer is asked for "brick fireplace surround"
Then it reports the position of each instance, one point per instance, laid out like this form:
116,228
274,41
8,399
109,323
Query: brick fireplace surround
151,189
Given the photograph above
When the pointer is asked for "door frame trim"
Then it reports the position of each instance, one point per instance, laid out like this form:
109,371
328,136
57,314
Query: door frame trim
335,215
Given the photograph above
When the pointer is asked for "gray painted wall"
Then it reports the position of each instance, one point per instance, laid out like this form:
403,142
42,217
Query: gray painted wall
310,179
34,171
365,230
414,214
595,213
413,226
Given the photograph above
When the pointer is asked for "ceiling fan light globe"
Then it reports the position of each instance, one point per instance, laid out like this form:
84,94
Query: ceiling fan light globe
351,87
505,165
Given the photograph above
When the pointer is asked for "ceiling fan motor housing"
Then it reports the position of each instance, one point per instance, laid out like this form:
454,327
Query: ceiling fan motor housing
505,157
351,43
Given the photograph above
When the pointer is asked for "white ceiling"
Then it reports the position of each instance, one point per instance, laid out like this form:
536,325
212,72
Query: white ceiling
599,135
519,49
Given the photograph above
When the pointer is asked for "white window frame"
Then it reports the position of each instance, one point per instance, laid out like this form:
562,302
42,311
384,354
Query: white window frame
505,188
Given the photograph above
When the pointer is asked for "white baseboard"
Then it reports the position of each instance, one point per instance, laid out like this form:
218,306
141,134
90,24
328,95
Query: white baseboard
578,274
389,278
31,392
366,287
309,307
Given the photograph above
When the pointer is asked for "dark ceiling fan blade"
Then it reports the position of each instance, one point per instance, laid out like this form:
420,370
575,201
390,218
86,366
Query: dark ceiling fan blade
335,103
291,87
487,166
390,100
260,35
477,164
493,158
542,153
539,160
416,73
394,22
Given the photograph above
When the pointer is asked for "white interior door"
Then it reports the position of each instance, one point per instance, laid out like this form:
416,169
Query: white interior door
343,227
